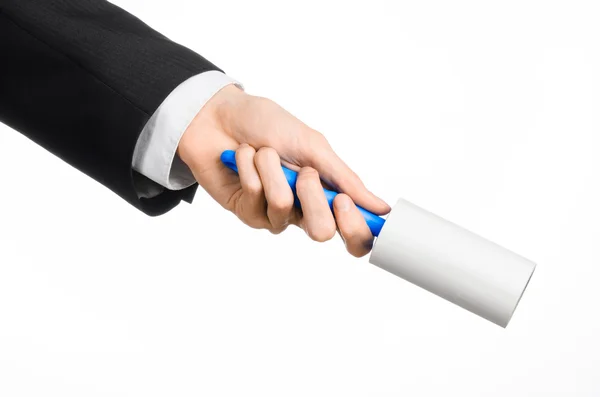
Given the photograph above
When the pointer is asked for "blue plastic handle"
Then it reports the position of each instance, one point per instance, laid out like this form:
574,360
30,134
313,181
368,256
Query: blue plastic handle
374,222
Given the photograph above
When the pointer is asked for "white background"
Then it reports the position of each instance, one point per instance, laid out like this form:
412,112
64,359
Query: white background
486,113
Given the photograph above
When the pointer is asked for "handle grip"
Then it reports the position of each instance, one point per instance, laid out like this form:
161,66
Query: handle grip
374,222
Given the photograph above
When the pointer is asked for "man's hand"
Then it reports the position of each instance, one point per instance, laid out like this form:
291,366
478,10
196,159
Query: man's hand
264,136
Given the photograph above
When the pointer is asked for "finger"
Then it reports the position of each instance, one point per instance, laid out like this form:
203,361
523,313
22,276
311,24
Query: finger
252,203
319,154
318,220
279,195
267,124
353,228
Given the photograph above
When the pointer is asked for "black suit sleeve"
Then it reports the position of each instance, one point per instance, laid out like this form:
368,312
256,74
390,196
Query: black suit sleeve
81,78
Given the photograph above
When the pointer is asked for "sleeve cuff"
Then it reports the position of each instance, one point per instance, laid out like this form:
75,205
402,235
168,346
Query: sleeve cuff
155,154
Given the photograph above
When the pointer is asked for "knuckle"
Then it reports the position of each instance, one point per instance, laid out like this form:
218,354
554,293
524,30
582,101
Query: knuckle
350,236
307,174
266,151
253,188
318,137
265,155
254,222
282,202
316,140
307,177
246,150
322,233
277,230
350,178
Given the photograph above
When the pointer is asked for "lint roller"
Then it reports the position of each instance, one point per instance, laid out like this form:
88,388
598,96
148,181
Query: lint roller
441,257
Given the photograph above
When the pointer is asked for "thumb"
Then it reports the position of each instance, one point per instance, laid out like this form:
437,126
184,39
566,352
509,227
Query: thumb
336,173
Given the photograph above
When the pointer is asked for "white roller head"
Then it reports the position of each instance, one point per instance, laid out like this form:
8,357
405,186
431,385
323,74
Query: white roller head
452,262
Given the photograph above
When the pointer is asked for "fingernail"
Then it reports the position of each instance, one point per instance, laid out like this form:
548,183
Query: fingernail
383,203
343,203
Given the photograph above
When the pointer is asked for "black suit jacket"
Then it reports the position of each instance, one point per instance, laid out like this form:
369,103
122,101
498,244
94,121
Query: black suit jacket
81,78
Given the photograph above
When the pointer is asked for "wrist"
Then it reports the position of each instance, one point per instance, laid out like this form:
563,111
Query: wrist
211,122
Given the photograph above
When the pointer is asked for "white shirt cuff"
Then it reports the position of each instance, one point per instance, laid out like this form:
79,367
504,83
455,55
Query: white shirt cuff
155,154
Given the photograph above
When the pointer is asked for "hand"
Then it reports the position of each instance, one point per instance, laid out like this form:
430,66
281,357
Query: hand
265,136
